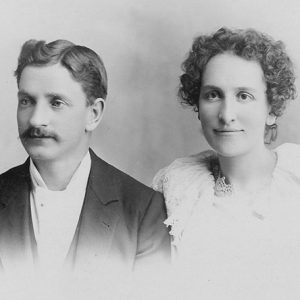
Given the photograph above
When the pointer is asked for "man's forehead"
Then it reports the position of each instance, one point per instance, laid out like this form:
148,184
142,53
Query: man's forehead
55,71
49,78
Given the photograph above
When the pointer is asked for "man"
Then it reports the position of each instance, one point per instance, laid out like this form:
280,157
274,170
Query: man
64,205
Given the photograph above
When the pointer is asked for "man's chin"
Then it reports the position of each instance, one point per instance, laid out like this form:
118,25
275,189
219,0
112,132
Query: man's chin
39,156
39,153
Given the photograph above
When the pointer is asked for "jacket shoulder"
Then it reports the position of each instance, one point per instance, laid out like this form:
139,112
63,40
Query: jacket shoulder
110,172
125,181
130,191
14,173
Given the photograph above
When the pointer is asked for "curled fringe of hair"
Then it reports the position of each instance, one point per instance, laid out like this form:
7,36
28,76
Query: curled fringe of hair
249,44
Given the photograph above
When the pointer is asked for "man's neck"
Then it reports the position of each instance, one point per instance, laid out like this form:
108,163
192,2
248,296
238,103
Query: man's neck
58,173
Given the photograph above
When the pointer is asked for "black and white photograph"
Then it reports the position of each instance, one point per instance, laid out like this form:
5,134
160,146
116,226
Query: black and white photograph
150,150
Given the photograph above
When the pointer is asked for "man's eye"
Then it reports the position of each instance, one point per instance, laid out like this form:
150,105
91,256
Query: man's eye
245,97
57,103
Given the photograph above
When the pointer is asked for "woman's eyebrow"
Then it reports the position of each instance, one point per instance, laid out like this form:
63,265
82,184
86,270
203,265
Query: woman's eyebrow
210,87
23,93
246,88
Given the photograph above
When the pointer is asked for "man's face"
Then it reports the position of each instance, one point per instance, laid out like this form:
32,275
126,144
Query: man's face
52,114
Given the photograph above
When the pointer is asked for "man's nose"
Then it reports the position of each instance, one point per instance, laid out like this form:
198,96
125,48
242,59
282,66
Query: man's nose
227,113
40,115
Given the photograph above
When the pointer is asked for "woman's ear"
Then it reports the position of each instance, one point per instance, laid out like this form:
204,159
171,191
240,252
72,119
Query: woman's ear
95,114
271,119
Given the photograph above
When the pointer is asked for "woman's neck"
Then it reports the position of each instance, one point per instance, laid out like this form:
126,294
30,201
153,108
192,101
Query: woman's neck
249,171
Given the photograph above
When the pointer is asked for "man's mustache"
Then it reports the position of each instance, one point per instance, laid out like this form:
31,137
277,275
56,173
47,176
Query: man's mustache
37,132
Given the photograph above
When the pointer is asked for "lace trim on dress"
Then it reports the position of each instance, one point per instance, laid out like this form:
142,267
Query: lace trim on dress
188,180
183,183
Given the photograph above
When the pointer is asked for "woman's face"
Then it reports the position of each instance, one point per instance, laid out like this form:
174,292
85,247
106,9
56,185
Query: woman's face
233,105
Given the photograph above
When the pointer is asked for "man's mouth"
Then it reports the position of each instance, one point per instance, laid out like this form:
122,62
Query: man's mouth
37,133
35,136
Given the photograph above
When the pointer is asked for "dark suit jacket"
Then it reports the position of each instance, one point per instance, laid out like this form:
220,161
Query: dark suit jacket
121,221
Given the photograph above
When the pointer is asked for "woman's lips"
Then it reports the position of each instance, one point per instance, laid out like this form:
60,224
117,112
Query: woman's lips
228,131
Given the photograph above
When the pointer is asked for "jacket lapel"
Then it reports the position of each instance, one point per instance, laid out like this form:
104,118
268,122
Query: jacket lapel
99,217
17,240
94,233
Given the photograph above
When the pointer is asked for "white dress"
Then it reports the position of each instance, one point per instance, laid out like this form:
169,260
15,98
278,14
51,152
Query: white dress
229,247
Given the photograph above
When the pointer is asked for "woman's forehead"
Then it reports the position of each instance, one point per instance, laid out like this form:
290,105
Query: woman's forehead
228,69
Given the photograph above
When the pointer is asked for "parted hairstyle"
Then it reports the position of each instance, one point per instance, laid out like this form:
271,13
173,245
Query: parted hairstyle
85,65
251,45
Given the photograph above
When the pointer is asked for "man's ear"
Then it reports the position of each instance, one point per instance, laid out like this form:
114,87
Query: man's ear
95,114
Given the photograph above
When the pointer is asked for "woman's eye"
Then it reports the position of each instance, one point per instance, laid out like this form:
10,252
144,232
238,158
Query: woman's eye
244,97
24,101
213,95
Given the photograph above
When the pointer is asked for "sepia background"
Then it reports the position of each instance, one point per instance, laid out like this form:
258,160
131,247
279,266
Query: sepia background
142,44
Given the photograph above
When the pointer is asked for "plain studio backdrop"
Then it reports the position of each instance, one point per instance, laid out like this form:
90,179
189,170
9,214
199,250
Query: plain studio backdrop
142,44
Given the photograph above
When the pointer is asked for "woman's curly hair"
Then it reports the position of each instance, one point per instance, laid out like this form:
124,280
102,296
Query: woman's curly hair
251,45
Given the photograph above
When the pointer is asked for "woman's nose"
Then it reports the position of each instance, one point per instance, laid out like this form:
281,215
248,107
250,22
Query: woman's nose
227,113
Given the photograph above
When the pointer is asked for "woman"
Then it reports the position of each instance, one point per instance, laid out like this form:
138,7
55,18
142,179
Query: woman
234,211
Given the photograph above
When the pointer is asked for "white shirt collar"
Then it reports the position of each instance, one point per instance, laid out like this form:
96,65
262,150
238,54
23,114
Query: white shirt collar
79,178
55,214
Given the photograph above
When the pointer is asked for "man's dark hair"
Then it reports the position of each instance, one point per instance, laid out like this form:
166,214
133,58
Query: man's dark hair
85,65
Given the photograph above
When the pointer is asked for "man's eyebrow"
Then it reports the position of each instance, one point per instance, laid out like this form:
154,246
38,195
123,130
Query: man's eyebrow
53,94
48,95
58,95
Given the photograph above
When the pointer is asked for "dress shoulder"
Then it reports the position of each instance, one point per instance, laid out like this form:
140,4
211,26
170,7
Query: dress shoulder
182,183
183,172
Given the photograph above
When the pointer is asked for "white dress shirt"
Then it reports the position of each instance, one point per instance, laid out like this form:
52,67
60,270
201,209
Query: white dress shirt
55,214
